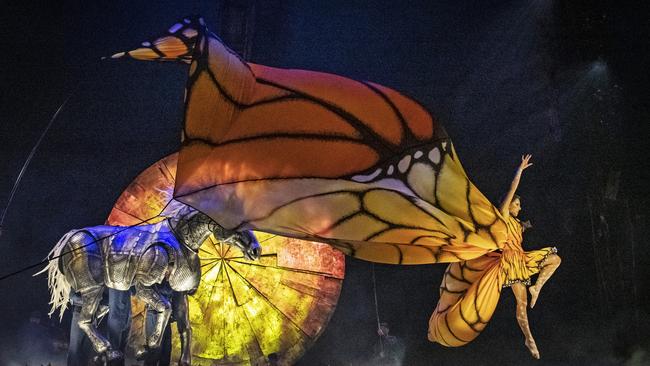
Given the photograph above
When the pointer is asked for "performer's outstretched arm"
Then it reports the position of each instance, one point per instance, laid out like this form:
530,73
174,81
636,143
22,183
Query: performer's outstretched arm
505,205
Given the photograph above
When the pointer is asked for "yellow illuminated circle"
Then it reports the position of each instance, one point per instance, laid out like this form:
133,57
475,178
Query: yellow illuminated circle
243,311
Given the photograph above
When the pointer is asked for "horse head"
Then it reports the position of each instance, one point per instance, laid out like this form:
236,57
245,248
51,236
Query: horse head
193,227
246,242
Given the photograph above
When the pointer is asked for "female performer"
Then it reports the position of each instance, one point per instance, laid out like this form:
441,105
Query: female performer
470,289
519,265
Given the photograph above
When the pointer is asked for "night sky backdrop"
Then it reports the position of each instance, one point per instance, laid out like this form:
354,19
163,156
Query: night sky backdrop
566,81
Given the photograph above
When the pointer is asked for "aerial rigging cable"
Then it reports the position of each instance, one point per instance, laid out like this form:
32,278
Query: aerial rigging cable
31,156
23,169
48,259
379,330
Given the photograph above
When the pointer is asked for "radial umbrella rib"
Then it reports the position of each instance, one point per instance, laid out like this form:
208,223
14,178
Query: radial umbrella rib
286,269
202,250
270,303
250,325
257,264
225,254
129,214
261,256
232,290
205,308
169,175
209,263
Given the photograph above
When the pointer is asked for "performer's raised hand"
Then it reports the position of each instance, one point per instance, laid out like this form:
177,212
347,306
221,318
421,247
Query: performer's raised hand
525,162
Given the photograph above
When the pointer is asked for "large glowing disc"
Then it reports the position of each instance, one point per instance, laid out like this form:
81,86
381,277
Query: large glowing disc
244,311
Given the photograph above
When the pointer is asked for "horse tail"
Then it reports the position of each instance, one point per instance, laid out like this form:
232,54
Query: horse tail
56,281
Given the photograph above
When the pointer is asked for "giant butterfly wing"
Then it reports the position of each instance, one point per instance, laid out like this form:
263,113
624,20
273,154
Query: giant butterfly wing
322,157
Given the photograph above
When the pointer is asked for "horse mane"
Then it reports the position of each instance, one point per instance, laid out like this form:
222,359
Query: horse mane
56,281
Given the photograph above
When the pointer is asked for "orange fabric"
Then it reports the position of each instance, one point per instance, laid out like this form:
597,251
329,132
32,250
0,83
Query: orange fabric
354,164
241,161
416,117
266,148
230,100
320,156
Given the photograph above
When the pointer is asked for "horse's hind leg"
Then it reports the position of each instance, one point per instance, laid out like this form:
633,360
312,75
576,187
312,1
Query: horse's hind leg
180,310
83,268
91,298
161,306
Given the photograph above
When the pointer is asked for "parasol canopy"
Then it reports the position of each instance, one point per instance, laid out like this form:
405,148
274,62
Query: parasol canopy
243,311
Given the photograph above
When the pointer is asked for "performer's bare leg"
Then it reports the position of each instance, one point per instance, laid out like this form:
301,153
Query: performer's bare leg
550,265
519,290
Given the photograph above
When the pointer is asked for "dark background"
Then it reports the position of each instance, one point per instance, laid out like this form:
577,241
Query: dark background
563,80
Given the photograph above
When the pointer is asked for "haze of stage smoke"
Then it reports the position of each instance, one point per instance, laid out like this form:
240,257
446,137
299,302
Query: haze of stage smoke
37,342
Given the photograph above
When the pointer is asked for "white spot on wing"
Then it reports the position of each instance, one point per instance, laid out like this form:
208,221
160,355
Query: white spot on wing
390,170
403,164
146,44
174,28
187,21
444,145
189,33
434,155
366,178
118,55
418,154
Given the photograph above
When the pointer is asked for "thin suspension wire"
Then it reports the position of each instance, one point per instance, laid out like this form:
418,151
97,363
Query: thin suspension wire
374,289
14,189
48,259
19,179
31,156
267,239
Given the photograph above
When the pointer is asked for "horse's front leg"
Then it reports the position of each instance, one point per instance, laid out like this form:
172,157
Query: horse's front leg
161,306
91,299
181,313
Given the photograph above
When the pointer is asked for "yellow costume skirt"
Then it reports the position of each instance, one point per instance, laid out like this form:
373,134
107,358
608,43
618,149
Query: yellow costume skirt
470,291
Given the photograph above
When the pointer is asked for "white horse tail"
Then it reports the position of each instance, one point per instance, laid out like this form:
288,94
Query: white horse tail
56,281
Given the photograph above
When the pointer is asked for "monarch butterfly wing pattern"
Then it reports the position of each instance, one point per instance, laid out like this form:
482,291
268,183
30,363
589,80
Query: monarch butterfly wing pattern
367,220
469,293
176,44
323,157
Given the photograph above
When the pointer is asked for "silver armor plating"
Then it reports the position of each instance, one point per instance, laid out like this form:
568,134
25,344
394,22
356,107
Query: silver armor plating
122,257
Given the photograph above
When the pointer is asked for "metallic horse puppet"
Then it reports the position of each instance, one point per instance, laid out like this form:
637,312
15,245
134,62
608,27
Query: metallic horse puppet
88,260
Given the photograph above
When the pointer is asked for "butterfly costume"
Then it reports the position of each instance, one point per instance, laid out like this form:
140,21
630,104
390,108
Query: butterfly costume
354,164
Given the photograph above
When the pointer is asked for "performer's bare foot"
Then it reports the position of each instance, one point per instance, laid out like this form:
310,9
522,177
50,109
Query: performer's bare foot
534,292
532,347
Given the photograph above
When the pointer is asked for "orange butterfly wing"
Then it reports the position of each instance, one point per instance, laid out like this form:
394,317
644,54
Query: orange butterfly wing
323,157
